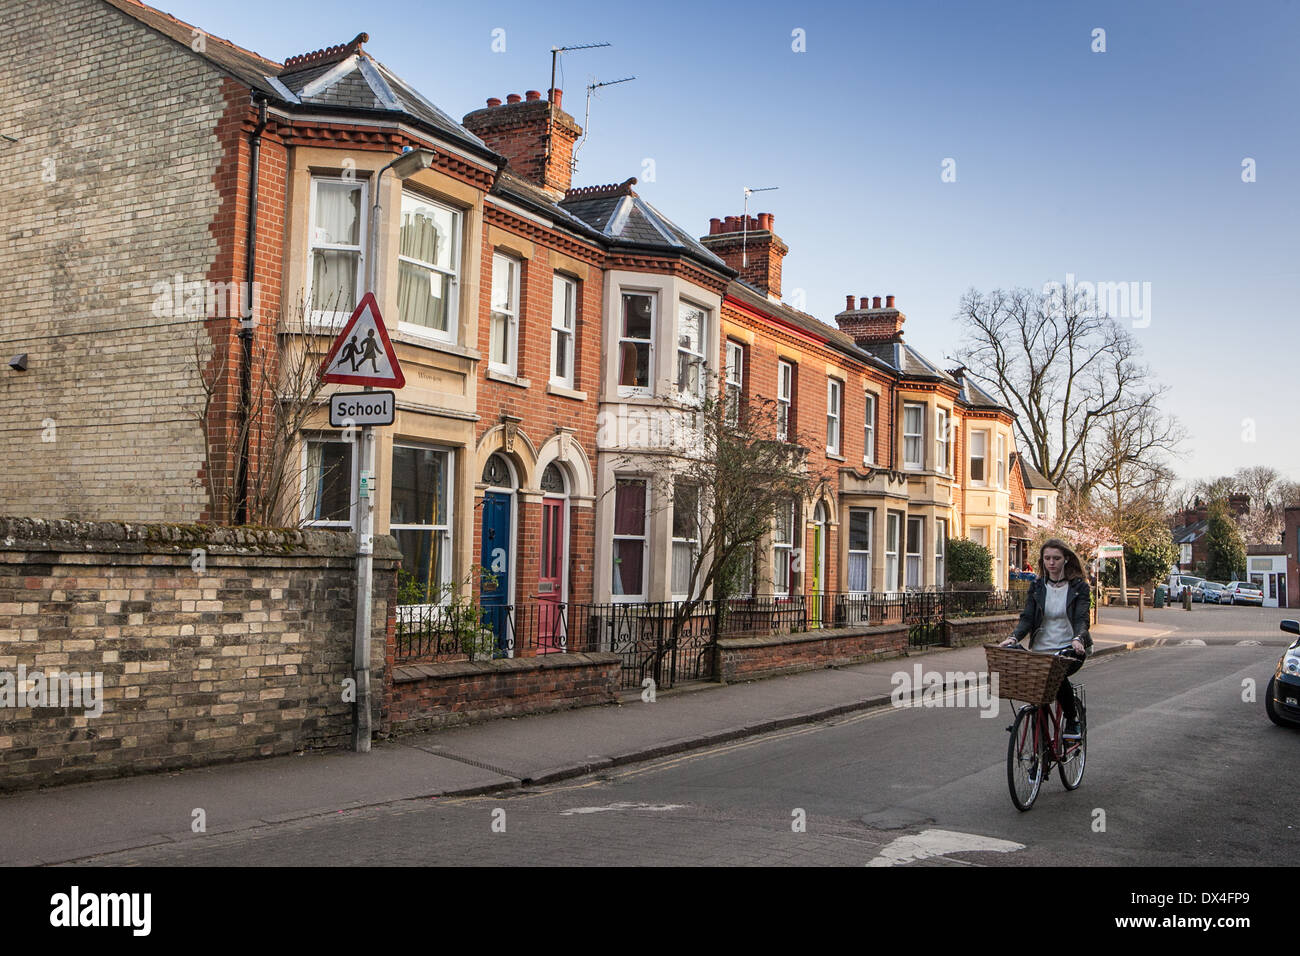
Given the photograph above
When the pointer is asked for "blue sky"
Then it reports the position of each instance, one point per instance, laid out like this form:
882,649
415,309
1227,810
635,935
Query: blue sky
1122,166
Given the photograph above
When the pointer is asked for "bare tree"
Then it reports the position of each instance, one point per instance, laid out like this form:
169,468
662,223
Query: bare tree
1070,373
731,468
286,390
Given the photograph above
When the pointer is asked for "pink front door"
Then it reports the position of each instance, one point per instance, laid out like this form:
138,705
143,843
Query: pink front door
550,581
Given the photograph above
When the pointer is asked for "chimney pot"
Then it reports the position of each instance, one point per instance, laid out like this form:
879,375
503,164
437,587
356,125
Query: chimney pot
848,303
865,303
875,302
493,101
556,97
765,221
715,226
889,302
513,97
532,95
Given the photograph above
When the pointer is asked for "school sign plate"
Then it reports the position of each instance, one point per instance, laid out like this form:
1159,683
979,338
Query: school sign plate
362,353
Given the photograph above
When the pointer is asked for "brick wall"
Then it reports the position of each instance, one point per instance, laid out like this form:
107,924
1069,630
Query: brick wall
961,632
243,658
109,191
753,657
430,696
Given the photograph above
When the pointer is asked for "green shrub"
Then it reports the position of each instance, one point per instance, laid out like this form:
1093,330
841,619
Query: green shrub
969,562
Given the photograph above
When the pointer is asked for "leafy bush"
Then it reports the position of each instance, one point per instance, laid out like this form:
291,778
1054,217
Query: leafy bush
968,561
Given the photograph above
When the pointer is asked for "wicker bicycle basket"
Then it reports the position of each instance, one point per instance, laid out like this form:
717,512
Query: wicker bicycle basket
1025,675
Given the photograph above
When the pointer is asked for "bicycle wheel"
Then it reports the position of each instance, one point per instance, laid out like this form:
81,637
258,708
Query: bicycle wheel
1071,769
1024,763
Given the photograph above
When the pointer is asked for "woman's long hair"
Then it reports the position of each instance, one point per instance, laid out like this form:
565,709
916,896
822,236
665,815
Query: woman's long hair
1073,566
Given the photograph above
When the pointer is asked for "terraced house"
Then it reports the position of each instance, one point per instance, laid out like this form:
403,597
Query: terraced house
530,318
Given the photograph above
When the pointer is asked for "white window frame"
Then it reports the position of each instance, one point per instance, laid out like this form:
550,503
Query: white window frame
564,293
912,565
309,495
692,544
893,547
784,398
940,551
980,535
453,286
643,537
1001,556
834,414
983,458
860,552
783,551
869,430
1002,460
1040,506
321,317
699,359
511,365
941,440
918,437
445,530
626,391
735,380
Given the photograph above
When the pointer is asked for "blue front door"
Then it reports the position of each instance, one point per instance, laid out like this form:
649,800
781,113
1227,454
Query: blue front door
495,558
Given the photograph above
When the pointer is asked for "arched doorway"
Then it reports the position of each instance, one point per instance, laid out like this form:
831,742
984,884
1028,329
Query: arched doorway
552,575
497,551
818,593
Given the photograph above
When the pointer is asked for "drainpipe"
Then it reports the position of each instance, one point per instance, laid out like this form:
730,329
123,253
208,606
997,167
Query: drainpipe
247,318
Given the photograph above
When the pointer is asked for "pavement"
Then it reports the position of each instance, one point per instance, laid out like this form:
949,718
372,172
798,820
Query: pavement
81,821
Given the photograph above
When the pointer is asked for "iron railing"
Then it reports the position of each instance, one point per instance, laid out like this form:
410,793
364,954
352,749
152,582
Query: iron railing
668,641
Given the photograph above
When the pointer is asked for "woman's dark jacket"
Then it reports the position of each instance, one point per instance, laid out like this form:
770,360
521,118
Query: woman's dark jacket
1077,609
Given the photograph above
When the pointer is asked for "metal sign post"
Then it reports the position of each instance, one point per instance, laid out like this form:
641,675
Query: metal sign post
363,341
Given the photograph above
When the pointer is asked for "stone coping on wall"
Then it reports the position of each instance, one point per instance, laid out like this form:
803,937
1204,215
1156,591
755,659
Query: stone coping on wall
821,634
115,537
985,629
405,673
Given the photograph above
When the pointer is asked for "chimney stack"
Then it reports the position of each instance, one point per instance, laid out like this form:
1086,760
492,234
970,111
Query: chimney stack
534,135
869,324
752,248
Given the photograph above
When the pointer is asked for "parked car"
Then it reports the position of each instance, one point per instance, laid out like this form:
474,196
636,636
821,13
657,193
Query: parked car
1244,592
1178,582
1282,699
1213,593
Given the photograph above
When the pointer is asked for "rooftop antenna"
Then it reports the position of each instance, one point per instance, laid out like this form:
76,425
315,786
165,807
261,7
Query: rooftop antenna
550,96
586,122
744,222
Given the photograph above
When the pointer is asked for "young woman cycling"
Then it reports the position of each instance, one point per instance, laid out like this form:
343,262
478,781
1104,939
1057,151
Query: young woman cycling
1056,617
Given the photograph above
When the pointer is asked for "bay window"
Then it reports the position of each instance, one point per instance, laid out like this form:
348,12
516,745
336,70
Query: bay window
636,344
913,433
420,517
941,440
940,550
327,498
629,538
1002,461
915,532
336,234
893,529
860,526
686,537
692,339
428,266
979,441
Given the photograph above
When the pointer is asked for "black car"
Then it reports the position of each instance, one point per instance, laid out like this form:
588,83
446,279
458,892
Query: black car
1282,699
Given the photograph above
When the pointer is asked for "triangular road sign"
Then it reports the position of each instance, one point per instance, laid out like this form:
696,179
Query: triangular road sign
362,353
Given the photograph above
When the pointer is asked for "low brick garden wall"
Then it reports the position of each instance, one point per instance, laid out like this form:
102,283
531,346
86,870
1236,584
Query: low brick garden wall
748,658
211,644
966,631
436,695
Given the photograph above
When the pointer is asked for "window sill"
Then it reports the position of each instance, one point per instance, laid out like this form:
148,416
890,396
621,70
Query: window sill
406,336
508,379
564,391
831,454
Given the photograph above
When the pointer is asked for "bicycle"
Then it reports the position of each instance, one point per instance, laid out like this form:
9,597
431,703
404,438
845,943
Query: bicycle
1037,743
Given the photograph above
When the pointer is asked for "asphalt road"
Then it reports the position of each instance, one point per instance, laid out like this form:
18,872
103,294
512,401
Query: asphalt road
1181,771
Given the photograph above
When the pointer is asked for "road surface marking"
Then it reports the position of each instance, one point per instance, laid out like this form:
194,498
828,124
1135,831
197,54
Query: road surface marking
1250,643
1192,642
653,807
928,843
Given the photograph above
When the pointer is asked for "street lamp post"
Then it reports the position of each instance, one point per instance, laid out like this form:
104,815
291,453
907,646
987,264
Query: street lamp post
408,164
